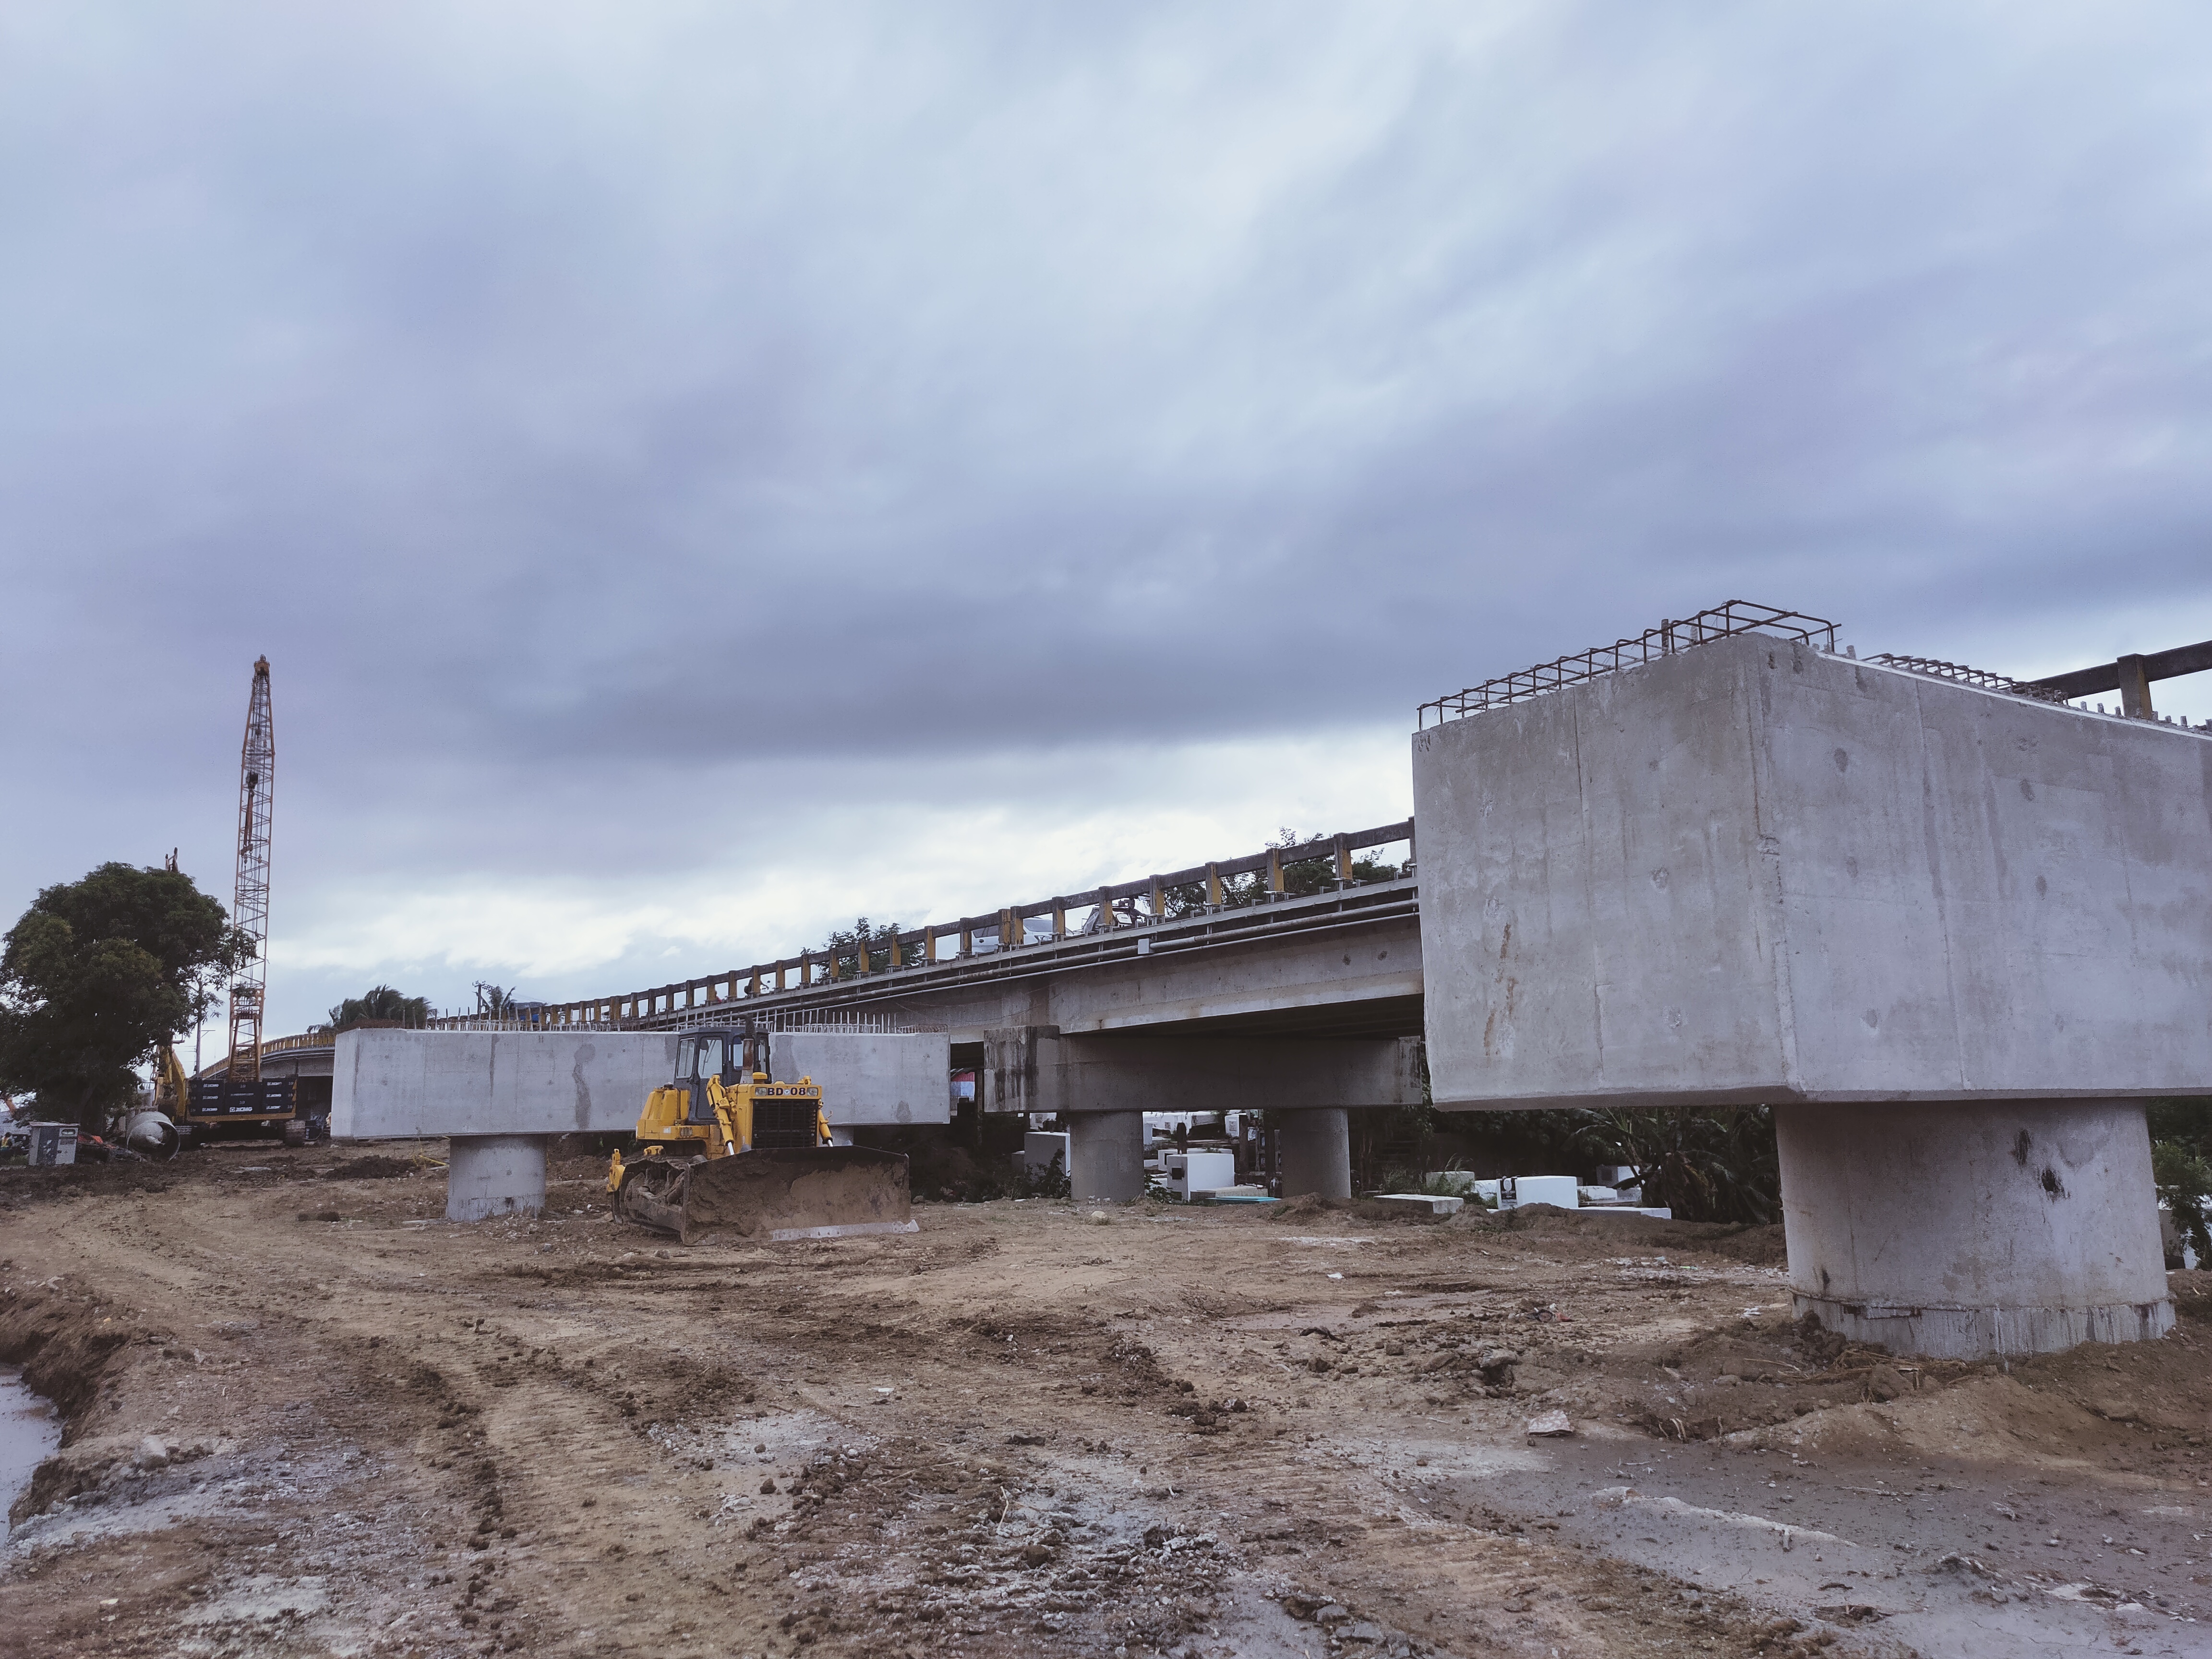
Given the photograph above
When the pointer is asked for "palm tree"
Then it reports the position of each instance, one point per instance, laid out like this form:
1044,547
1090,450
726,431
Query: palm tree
385,1007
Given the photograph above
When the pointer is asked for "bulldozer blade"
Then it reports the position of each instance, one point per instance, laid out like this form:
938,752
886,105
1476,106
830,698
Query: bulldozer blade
775,1194
651,1197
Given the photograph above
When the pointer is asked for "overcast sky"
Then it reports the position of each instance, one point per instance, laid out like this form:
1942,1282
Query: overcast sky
702,471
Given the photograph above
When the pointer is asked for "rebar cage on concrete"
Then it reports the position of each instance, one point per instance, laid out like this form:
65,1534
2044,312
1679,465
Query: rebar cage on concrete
1966,676
1721,622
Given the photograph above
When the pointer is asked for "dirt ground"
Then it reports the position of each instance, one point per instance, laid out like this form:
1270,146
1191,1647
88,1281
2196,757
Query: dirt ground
304,1414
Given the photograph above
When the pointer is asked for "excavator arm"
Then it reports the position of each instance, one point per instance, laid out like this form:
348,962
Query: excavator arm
172,1089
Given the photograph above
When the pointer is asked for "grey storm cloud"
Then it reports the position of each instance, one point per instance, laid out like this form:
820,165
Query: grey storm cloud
570,396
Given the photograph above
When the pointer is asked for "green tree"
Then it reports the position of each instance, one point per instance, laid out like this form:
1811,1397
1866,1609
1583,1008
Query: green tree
1314,871
844,946
1704,1165
98,974
2181,1164
383,1004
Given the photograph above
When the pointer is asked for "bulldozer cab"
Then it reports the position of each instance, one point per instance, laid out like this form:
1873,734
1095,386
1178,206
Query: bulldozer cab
709,1057
729,1056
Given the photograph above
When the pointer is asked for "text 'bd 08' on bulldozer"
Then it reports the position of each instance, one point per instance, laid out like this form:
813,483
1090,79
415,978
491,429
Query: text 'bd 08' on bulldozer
727,1149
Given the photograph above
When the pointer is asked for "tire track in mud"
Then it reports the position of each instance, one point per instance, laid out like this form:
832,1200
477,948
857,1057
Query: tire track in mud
1016,1433
890,1532
616,1527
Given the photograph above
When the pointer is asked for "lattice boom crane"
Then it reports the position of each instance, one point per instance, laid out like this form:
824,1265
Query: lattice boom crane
238,1097
249,910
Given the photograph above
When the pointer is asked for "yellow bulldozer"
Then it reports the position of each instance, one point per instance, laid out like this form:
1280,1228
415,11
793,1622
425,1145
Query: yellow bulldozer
725,1148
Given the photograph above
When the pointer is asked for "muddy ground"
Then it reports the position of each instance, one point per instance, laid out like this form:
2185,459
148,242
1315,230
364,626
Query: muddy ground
304,1414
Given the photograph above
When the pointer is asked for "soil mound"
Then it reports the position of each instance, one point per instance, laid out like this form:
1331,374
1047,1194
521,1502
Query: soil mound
1760,1246
369,1168
2192,1293
1308,1206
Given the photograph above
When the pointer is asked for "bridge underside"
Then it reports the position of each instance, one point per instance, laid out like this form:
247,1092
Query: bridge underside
1339,964
1306,1007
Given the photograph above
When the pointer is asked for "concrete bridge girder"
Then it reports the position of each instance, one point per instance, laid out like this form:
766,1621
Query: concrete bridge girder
1369,975
1372,963
1040,1068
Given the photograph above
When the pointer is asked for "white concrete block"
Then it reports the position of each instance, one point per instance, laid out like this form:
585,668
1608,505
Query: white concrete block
1431,1202
1199,1172
1562,1190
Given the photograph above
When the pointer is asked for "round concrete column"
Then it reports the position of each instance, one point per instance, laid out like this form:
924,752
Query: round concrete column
494,1174
1317,1148
1105,1155
1968,1230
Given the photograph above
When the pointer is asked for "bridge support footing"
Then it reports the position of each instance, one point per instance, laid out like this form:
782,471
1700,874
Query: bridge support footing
1106,1155
488,1175
1972,1228
1316,1152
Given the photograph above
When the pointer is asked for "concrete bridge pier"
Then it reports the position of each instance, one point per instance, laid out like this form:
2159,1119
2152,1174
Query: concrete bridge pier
1994,1227
1756,873
488,1175
1316,1152
1106,1155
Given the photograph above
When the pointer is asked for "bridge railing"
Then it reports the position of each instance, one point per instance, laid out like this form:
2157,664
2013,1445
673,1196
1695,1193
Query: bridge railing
1271,875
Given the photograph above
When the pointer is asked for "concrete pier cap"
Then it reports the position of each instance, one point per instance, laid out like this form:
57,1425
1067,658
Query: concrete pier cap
503,1096
1952,936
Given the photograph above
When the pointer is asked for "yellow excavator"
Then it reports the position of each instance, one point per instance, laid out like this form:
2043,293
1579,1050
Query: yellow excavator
725,1148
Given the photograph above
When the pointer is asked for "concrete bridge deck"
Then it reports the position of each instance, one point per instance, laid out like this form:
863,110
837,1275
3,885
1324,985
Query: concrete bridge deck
1266,959
1338,963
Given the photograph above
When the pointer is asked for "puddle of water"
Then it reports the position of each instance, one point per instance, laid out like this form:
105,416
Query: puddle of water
29,1432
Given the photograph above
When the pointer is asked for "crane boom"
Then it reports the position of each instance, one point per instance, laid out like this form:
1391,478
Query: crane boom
238,1097
256,769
